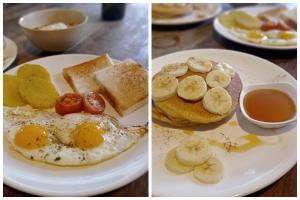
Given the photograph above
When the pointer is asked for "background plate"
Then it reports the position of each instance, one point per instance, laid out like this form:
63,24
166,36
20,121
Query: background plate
48,180
245,172
188,19
252,10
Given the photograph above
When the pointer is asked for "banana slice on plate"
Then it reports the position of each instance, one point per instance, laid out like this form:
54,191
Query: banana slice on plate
217,78
176,69
193,151
210,171
173,165
199,64
164,85
192,88
217,100
226,68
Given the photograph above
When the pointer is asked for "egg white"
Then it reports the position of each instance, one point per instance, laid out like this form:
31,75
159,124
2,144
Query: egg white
58,151
271,38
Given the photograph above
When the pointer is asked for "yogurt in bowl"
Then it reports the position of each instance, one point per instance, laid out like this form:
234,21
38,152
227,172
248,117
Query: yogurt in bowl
54,30
270,105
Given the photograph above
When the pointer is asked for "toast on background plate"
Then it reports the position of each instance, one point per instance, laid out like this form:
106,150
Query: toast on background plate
125,85
81,77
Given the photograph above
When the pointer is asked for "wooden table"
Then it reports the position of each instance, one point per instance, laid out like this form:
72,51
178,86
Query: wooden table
166,40
123,39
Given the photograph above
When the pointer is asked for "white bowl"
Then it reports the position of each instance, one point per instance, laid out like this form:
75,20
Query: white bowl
54,40
283,87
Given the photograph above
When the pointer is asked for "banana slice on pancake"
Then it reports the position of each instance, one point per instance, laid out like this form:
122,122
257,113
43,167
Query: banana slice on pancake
211,171
197,64
174,165
192,88
193,151
176,69
164,85
217,78
217,100
226,68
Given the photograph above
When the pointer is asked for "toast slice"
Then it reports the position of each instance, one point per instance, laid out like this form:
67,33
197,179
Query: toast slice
125,86
81,77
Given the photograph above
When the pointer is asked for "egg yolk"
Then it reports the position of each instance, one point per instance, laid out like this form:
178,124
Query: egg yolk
255,35
88,136
31,137
286,35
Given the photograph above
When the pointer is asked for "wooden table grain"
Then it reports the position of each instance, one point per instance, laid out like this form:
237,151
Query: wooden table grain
167,40
126,38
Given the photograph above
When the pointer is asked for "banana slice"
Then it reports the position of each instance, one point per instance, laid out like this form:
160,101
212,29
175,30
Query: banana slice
210,171
193,151
217,101
226,68
176,69
217,78
199,64
192,88
164,85
174,165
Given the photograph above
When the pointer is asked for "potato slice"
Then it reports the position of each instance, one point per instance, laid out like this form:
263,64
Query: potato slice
246,21
38,92
228,20
11,95
29,70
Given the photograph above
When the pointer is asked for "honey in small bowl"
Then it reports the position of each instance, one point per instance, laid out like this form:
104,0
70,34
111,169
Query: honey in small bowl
269,105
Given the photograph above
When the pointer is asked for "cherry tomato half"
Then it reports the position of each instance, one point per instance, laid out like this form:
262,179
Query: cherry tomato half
93,103
69,103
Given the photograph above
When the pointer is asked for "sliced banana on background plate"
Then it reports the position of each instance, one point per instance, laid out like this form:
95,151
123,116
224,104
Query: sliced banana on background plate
226,68
210,171
174,165
164,85
217,78
176,69
193,151
192,88
217,100
199,64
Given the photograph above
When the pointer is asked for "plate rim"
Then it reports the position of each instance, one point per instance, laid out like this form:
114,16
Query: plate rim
218,28
281,169
141,169
15,52
164,23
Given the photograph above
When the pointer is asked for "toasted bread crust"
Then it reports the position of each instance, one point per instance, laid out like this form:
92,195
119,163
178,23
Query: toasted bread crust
81,77
125,84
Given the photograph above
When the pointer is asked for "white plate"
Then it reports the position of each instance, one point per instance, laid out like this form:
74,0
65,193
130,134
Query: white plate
189,18
44,179
252,10
244,173
9,52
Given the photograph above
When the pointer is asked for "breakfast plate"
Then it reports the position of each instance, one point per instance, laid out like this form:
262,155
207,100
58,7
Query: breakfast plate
246,171
10,52
252,10
50,180
189,18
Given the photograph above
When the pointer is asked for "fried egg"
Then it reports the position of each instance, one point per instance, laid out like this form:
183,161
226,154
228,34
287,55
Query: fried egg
270,38
70,140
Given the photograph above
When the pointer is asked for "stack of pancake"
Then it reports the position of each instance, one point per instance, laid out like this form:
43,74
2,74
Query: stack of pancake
179,112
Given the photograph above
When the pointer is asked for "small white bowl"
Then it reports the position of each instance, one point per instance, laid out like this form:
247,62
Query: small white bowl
54,40
283,87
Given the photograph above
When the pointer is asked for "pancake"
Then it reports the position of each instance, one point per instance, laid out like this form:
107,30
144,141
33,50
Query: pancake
177,110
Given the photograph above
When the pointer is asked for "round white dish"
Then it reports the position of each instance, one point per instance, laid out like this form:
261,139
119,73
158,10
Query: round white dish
189,18
48,180
10,52
252,10
246,172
